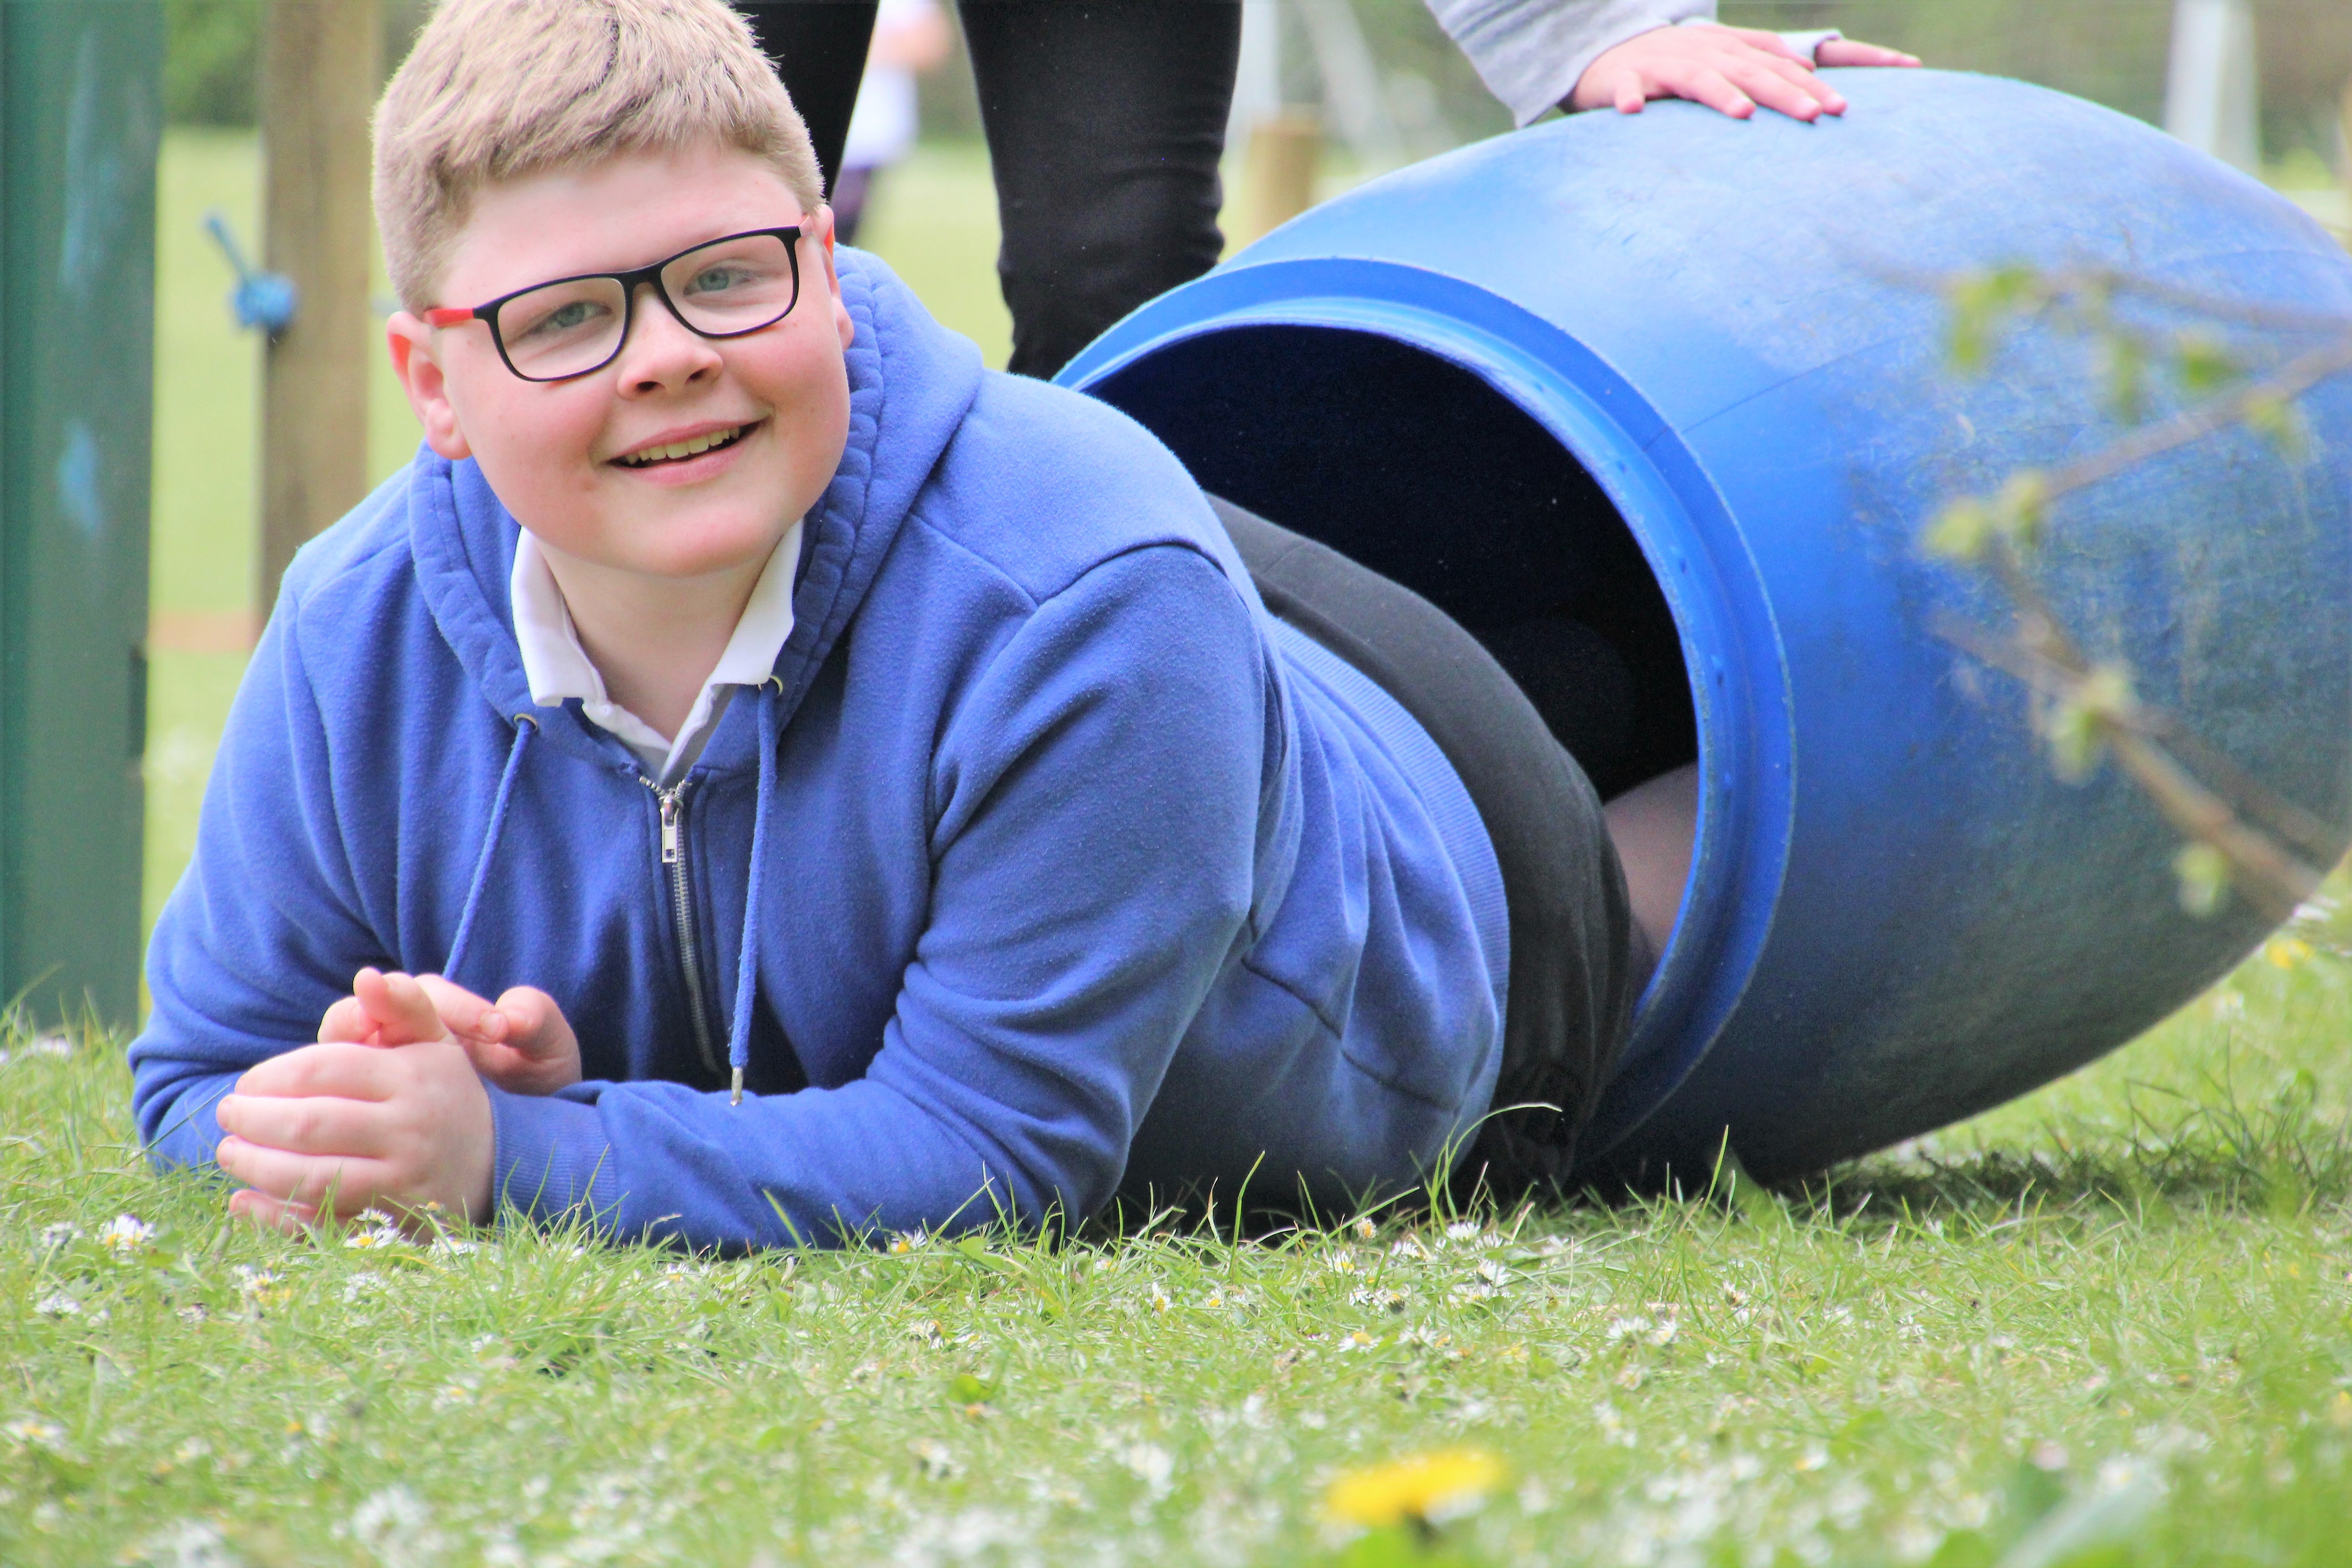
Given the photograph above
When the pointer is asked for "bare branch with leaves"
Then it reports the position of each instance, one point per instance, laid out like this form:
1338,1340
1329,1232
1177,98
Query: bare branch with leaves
2240,836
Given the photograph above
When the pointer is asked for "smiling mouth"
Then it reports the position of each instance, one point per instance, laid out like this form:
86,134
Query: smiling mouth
678,451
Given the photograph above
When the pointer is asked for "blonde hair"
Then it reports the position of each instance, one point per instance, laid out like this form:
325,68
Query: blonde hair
503,89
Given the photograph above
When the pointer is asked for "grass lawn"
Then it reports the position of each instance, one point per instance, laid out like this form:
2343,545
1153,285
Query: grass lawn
2110,1324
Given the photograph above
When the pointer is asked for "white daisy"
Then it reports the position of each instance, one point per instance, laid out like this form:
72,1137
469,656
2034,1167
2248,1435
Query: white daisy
126,1233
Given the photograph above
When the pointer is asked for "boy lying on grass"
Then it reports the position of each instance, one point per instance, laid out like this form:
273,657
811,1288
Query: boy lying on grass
876,790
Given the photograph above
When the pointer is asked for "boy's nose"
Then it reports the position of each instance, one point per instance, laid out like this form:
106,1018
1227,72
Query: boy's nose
662,352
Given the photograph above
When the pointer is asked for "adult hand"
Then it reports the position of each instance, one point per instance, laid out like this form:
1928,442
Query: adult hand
402,1123
521,1042
1731,69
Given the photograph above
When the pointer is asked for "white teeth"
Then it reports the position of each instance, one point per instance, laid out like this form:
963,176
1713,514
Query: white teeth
686,448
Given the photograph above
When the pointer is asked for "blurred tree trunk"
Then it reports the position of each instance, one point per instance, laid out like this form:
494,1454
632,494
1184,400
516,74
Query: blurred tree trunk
319,80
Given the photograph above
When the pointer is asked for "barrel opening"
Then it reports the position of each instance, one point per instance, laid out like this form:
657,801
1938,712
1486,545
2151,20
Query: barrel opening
1420,469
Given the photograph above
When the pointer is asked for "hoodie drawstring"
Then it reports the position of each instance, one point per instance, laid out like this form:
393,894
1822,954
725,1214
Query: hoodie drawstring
739,1033
525,728
747,968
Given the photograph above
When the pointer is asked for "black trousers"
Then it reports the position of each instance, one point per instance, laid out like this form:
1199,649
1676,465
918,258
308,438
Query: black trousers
1105,122
1577,960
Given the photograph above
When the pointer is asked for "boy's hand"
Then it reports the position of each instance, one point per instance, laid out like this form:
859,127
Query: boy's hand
522,1042
401,1122
1728,68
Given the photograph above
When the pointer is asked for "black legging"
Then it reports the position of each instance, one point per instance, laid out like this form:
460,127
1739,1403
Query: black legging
1577,960
1105,122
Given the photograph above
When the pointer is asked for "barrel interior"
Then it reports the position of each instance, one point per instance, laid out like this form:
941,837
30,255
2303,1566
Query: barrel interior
1419,468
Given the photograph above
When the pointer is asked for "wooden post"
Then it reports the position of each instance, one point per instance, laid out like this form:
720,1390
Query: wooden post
2344,148
1279,171
318,85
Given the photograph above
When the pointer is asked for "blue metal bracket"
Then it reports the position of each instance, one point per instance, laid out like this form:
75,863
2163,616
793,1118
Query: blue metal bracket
263,299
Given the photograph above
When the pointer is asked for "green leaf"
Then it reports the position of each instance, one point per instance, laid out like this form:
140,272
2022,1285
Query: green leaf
2076,727
2202,364
1963,1548
1983,304
2204,873
2032,1492
2076,741
1961,531
965,1389
2086,1532
2021,508
2278,419
2123,364
1402,1546
1866,1431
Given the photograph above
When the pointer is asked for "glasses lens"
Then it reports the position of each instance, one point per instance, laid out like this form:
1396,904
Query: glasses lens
562,329
733,285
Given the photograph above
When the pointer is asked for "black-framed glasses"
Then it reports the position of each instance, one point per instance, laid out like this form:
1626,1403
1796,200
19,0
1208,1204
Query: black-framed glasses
720,289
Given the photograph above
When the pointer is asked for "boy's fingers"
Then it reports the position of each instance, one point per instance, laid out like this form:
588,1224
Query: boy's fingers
1631,94
346,1022
464,1013
310,1179
275,1213
535,1024
399,1005
340,1069
315,1124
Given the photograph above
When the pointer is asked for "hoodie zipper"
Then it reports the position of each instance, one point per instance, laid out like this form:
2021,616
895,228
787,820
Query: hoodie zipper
672,802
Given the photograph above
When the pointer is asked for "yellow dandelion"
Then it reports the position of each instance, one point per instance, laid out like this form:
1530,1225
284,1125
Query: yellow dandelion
1425,1490
2288,952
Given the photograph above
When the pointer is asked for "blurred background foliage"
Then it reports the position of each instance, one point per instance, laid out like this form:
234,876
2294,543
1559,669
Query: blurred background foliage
2110,51
934,221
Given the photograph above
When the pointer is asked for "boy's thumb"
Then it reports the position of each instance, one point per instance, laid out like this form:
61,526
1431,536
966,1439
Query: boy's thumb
530,1015
402,1008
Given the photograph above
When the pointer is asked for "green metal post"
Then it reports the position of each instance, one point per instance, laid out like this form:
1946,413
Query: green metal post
81,116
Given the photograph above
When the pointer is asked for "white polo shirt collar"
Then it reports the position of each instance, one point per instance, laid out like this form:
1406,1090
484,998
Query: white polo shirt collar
558,669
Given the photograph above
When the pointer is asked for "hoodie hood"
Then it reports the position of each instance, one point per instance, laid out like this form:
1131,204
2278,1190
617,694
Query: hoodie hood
911,381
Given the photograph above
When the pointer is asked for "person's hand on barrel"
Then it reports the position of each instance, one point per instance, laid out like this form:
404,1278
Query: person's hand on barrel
1732,70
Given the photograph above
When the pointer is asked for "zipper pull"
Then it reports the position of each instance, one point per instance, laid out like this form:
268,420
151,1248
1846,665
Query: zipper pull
669,799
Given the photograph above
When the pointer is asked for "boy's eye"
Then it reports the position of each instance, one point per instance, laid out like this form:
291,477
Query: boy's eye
569,316
717,279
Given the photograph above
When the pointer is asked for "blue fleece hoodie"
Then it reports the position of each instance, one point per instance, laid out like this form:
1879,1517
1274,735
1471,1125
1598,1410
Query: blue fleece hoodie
1061,865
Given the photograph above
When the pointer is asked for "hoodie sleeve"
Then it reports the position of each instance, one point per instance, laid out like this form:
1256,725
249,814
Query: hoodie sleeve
264,931
1096,793
1531,53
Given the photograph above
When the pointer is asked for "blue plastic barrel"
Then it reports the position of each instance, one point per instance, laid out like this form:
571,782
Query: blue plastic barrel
1686,377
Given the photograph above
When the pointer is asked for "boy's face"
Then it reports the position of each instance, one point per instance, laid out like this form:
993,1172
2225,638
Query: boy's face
568,457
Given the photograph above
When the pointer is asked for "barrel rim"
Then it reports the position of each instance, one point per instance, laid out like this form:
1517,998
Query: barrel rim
1730,643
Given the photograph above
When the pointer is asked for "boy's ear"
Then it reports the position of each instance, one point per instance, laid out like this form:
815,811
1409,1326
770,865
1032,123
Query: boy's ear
841,321
411,342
